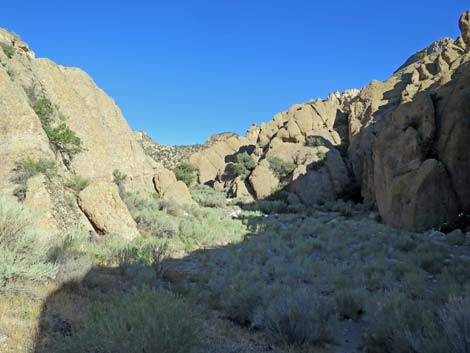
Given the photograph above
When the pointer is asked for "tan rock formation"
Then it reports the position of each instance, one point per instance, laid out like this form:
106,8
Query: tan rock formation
103,206
212,161
171,189
263,181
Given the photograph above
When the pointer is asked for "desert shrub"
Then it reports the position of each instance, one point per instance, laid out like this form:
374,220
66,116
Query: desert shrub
143,321
28,167
77,183
61,136
44,110
243,164
404,325
119,179
189,227
431,257
64,139
186,172
314,141
297,319
456,237
240,298
455,323
269,206
208,197
22,255
9,50
280,168
350,303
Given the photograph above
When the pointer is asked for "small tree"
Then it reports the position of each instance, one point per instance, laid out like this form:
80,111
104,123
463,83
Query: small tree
186,172
280,168
61,136
243,165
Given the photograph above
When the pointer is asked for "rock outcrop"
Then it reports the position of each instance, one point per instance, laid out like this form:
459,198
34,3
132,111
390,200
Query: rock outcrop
103,206
171,189
212,161
402,142
171,156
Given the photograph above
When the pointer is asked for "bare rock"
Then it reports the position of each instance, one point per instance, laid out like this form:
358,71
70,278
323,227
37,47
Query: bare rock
263,181
168,187
104,208
464,24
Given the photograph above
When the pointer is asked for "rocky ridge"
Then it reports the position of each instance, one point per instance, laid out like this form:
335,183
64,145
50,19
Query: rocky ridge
171,156
399,145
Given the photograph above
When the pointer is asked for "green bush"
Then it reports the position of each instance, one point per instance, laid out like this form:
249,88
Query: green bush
28,167
350,303
9,50
143,321
186,172
298,319
22,254
77,183
314,141
280,168
61,136
208,197
64,139
243,164
44,110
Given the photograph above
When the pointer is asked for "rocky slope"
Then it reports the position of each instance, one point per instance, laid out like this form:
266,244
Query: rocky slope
170,156
401,144
57,114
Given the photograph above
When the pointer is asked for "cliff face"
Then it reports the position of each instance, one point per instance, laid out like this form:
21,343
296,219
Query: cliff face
108,142
402,143
54,113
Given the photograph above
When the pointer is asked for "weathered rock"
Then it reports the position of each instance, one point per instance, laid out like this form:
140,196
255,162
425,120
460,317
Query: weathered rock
263,181
39,199
213,161
168,187
464,24
104,208
239,189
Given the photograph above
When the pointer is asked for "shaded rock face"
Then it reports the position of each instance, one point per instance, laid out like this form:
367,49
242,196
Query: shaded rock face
417,170
171,189
403,142
104,208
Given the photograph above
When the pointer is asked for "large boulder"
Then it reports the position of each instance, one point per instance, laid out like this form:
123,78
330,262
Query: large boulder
168,187
104,208
263,181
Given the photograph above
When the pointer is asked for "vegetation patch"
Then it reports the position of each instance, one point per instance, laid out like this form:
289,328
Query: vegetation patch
23,255
186,172
243,164
280,168
60,135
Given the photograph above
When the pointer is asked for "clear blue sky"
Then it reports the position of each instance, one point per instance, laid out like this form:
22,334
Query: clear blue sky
185,69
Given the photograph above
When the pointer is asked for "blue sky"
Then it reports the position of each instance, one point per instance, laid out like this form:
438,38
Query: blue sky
182,70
